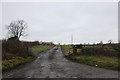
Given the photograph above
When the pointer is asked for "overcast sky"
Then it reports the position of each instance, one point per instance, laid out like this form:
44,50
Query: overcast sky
89,22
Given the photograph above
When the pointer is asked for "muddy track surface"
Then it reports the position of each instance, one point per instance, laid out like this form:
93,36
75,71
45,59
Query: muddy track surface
53,64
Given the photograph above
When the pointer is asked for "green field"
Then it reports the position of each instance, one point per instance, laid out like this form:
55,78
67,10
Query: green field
40,48
102,62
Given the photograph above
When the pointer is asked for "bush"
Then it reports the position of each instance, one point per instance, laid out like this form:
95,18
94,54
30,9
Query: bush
13,48
100,51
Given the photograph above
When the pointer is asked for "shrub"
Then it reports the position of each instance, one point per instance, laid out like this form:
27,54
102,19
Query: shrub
100,51
13,48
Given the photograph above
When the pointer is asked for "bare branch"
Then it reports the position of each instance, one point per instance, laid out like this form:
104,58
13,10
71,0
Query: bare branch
17,28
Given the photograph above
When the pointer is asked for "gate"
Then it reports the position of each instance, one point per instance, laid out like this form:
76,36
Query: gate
76,47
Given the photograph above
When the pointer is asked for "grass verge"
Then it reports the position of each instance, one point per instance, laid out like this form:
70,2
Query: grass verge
17,60
67,49
12,63
102,62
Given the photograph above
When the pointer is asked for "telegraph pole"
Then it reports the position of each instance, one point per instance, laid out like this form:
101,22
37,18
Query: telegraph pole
71,39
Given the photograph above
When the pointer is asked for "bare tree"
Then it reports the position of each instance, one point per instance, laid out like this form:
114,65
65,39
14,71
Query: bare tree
17,29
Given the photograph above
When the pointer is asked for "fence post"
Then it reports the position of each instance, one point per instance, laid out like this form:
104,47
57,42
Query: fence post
74,49
29,51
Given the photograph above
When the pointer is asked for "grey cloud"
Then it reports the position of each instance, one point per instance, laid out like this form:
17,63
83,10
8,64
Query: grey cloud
88,22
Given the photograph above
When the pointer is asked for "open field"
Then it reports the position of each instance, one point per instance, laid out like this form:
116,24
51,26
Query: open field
40,48
92,60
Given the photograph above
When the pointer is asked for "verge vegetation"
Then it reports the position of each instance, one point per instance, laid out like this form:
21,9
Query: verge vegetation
15,53
103,57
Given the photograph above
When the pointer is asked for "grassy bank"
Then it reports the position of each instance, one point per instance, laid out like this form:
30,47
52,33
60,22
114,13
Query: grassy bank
17,60
102,62
12,63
